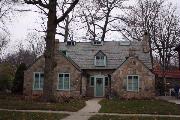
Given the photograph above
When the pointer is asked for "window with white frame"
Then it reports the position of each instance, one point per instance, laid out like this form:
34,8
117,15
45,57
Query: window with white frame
132,83
100,59
38,81
64,81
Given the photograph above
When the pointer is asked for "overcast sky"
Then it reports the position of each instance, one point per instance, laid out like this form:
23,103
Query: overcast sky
26,22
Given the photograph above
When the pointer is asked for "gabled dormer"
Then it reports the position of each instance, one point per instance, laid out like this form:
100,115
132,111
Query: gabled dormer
100,59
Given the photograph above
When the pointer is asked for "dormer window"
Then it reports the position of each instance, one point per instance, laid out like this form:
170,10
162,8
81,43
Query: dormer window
96,42
71,43
100,59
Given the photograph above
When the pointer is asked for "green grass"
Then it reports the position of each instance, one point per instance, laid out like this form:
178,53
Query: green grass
110,117
16,102
6,115
139,107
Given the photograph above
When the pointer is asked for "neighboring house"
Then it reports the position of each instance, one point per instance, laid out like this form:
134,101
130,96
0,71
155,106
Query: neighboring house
97,69
172,78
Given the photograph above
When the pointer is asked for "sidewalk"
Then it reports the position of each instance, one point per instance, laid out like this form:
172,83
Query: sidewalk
169,99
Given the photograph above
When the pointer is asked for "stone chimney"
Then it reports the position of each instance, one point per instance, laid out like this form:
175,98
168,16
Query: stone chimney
145,43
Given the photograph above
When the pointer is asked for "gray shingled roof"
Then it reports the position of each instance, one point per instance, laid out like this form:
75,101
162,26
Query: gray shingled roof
83,54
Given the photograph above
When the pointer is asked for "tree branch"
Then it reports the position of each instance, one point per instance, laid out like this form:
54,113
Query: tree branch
37,2
60,19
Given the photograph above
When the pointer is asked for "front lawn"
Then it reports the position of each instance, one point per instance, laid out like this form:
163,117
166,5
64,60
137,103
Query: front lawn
110,117
6,115
139,107
15,102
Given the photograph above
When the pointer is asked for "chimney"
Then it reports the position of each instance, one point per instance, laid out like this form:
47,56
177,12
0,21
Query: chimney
145,43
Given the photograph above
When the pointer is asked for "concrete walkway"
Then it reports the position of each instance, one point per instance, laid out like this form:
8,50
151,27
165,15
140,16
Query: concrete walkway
169,99
92,106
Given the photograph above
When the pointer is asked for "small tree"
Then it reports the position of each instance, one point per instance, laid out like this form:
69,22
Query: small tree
6,76
19,79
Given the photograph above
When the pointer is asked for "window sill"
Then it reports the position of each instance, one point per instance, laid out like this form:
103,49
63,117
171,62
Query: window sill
132,91
37,89
63,89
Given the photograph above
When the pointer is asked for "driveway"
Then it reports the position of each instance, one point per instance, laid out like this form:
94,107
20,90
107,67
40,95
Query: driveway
169,99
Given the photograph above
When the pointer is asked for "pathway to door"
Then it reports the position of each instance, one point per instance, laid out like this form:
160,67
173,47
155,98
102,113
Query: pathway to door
92,106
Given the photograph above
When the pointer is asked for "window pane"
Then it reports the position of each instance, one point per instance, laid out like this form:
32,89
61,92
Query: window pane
130,83
36,81
97,57
41,80
60,85
135,77
66,83
129,77
92,81
60,75
135,83
66,75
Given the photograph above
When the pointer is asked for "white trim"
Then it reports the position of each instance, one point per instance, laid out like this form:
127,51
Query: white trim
132,79
38,80
103,77
63,82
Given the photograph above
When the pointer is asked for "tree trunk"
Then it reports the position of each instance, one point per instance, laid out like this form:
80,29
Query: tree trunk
66,34
105,25
50,63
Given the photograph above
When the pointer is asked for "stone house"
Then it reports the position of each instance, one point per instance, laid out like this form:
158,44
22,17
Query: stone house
97,69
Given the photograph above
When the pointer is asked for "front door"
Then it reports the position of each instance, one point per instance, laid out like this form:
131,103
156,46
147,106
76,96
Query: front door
99,87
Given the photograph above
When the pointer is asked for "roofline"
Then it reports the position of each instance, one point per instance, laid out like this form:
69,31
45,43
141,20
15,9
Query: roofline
136,59
71,61
34,62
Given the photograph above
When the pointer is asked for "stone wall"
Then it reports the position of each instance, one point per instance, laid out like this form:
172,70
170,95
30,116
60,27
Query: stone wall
63,66
132,66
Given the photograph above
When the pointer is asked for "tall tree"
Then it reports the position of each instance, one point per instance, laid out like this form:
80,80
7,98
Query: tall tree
36,43
6,7
99,16
160,22
53,20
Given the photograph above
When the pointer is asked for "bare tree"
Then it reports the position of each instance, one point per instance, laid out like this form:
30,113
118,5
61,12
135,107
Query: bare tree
36,43
53,20
159,21
99,17
6,7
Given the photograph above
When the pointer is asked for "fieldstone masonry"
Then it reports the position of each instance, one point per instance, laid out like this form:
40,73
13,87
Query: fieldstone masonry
132,66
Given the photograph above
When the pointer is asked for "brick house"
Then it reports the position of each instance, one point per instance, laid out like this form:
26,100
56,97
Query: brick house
97,69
